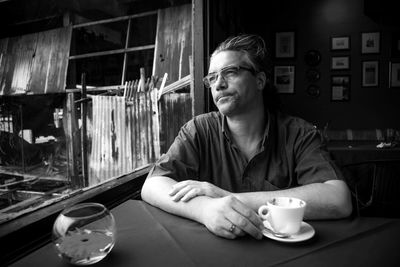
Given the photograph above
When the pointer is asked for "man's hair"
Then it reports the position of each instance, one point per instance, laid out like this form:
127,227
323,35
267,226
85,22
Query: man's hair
253,46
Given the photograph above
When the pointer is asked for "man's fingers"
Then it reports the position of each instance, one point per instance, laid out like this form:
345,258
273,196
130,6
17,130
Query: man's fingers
245,219
177,187
248,213
230,231
181,193
191,194
245,225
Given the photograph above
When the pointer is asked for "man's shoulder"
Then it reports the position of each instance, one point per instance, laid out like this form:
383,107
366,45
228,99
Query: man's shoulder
207,119
294,122
203,122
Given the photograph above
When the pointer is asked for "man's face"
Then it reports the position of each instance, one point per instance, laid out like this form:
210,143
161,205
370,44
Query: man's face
236,90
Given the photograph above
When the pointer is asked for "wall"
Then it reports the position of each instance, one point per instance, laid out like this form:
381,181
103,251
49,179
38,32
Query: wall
173,43
315,22
34,63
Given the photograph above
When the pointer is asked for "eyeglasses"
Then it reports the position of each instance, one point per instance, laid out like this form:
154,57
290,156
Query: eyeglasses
227,73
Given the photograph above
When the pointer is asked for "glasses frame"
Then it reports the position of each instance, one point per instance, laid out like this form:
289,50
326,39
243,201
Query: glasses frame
206,79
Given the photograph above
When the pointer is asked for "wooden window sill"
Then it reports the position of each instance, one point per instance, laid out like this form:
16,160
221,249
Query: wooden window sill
26,233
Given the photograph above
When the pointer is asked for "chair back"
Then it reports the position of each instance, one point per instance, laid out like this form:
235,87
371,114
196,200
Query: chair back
375,187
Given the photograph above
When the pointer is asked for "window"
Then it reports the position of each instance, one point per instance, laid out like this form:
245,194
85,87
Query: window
112,51
38,140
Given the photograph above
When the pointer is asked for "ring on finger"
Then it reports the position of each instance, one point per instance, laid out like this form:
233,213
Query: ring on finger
232,228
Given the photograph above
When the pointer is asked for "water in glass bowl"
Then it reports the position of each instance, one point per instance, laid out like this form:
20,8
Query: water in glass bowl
84,234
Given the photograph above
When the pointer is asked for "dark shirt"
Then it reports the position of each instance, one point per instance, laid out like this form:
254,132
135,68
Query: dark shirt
292,153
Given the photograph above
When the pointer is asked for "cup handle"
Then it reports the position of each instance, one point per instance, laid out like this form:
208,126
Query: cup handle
263,212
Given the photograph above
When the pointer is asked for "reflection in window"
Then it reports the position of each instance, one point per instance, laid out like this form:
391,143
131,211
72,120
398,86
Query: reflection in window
140,35
100,70
41,157
33,152
137,60
101,37
104,54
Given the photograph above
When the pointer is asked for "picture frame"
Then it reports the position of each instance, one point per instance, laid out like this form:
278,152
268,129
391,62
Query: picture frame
285,44
370,73
340,63
394,74
370,42
340,43
284,78
340,88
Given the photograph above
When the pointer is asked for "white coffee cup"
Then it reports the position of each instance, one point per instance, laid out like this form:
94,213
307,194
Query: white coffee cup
283,214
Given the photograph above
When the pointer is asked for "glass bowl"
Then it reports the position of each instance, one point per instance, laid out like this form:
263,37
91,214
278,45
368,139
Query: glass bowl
84,234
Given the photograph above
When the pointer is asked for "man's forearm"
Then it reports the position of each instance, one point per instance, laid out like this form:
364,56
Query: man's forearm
329,200
224,215
155,192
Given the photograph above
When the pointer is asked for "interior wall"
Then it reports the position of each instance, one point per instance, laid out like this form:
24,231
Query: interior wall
314,23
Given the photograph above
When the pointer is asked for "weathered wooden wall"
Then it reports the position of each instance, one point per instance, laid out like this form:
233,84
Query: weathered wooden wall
175,110
171,56
173,43
35,63
122,136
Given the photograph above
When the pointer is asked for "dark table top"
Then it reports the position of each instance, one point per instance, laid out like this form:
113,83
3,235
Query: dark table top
346,153
148,236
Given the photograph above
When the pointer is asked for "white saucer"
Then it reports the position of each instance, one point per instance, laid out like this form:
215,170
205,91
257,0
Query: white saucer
305,233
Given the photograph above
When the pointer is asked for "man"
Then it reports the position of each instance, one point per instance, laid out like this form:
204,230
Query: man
223,165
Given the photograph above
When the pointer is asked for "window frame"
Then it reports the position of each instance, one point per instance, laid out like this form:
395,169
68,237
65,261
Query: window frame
124,50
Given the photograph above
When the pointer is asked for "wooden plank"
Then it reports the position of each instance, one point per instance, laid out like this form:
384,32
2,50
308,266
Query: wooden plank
198,57
85,171
22,53
155,124
49,67
72,141
175,111
173,42
35,63
3,65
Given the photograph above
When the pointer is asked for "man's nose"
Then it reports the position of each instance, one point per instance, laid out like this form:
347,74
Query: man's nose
220,83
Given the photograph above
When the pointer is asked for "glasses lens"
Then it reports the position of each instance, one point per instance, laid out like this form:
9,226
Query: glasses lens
206,82
209,80
229,72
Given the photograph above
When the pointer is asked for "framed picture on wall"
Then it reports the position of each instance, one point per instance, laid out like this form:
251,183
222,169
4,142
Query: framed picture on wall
394,74
284,79
370,42
340,88
340,43
370,73
285,44
340,63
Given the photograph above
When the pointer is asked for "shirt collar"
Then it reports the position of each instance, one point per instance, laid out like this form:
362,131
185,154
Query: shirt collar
227,134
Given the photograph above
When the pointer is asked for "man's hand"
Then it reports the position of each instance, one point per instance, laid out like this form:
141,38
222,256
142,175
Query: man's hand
220,214
186,190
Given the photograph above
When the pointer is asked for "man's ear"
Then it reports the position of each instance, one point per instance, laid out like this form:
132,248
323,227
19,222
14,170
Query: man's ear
261,80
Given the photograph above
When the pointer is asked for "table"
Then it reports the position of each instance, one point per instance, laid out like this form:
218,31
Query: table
345,154
148,236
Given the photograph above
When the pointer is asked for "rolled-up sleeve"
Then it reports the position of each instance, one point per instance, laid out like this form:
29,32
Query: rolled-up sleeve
313,161
181,162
